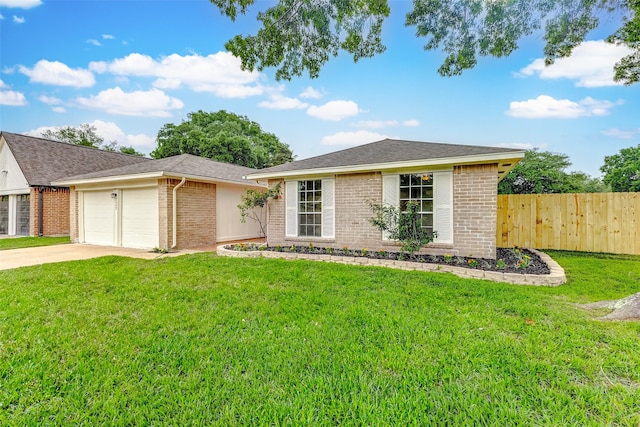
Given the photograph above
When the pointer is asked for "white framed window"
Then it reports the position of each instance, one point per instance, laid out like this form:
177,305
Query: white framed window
310,208
433,191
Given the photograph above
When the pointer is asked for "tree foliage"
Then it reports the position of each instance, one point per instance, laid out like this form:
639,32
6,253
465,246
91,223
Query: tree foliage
405,227
622,170
222,136
545,172
252,205
86,135
299,36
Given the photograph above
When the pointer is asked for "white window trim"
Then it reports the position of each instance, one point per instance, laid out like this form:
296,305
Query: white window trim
391,196
328,209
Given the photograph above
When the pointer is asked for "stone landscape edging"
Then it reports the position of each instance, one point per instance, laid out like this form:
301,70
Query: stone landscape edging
556,277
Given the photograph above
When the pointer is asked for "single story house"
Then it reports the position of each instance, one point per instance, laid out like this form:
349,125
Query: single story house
176,202
30,205
325,199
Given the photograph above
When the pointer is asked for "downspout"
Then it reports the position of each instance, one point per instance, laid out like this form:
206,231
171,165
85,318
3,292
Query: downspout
40,211
175,212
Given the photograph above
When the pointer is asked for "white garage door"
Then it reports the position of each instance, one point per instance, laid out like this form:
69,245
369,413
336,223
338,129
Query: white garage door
140,218
99,218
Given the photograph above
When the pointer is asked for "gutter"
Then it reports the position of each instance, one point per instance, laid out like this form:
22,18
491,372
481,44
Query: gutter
175,212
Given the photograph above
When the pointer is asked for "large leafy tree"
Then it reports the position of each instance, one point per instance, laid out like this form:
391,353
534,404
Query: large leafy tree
545,172
224,137
299,36
622,170
86,135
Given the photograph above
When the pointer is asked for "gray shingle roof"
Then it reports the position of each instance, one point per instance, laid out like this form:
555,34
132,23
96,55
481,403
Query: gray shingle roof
43,161
181,165
387,151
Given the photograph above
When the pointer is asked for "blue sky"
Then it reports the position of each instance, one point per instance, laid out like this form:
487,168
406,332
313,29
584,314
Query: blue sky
129,67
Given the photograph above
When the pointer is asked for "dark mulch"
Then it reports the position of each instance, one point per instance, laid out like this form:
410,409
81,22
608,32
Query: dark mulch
514,260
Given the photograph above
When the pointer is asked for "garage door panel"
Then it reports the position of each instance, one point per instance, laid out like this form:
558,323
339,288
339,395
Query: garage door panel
99,218
140,218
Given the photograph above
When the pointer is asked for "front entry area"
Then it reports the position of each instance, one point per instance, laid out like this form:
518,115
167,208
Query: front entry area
120,217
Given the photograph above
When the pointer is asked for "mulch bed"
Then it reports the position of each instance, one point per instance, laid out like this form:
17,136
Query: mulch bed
507,260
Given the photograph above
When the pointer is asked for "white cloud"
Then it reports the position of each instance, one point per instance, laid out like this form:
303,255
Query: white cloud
411,123
218,73
590,64
1,17
94,42
280,102
310,93
3,84
18,19
109,131
545,106
12,98
522,145
352,138
334,110
50,100
151,103
108,37
20,4
58,110
59,74
622,133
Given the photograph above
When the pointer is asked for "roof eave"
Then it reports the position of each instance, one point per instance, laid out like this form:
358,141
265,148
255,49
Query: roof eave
150,175
512,156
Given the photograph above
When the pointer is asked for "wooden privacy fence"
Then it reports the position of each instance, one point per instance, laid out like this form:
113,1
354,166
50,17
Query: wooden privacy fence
590,222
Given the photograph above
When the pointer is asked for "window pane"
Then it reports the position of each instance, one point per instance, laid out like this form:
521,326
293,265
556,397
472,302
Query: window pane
404,180
415,193
403,205
427,220
4,214
427,206
22,215
318,185
404,193
415,180
317,231
427,192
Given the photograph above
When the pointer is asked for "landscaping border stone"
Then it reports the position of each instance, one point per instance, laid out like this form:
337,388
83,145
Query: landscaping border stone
555,278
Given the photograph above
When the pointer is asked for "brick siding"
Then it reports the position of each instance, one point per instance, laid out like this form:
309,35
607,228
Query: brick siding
475,198
55,214
474,214
196,213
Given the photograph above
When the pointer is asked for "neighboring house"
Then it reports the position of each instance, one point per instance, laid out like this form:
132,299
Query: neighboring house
30,205
326,197
175,202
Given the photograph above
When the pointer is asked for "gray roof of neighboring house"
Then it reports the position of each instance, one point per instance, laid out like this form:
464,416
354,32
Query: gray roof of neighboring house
388,151
175,166
43,161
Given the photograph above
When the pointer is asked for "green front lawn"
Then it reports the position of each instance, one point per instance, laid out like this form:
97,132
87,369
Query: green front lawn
206,340
30,242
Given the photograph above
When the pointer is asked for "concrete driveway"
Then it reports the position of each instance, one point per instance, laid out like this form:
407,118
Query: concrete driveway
15,258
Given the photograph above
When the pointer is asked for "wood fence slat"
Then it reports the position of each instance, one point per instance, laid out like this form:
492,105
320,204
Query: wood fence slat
594,222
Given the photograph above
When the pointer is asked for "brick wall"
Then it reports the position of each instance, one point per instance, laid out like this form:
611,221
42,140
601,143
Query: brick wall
474,210
276,216
353,229
196,213
74,224
55,214
474,214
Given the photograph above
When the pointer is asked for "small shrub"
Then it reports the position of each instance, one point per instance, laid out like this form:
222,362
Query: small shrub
278,248
448,258
364,252
328,250
500,264
160,250
472,262
382,253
